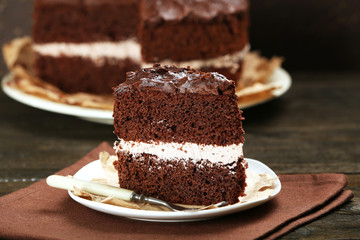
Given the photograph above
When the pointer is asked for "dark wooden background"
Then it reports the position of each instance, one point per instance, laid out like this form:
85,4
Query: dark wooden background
313,128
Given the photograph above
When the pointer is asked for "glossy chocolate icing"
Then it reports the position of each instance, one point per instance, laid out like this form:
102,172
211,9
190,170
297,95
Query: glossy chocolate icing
176,10
178,80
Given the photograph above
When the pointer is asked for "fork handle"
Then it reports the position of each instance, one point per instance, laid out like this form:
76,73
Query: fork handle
68,183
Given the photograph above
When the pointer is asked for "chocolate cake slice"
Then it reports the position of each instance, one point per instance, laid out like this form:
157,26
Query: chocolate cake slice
180,136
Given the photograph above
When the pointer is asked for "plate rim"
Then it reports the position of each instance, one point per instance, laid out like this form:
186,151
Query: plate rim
159,216
51,106
279,76
105,116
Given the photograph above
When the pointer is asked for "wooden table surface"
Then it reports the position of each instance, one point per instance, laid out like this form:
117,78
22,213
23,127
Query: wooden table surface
313,128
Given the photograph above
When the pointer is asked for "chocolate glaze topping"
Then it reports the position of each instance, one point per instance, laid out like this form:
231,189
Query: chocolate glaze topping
172,79
176,10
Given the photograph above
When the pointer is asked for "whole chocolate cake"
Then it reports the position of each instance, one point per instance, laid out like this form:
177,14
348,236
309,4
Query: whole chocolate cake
180,136
89,45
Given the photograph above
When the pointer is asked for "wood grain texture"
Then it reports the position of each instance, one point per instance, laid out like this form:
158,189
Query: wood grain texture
313,128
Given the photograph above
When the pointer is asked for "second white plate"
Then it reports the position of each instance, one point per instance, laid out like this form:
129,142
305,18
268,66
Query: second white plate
94,169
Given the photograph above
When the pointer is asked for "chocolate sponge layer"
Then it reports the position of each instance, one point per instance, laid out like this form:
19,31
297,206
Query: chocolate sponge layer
185,30
160,116
170,104
85,20
77,74
181,180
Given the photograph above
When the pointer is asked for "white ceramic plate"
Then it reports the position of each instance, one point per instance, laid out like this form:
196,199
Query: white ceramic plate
90,114
94,169
279,78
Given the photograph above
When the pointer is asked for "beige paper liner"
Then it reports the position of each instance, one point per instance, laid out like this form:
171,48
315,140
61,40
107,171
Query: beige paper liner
18,56
259,186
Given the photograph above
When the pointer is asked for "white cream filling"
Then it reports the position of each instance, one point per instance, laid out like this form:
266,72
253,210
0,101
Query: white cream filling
121,50
226,61
170,151
131,49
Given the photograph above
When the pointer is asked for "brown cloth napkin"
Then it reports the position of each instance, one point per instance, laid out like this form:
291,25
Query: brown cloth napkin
42,212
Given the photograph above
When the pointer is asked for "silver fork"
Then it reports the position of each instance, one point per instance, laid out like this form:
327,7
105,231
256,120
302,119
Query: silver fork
69,183
140,198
